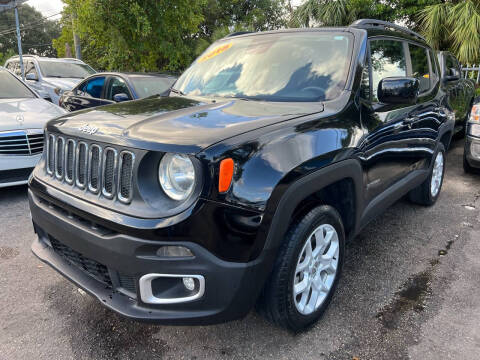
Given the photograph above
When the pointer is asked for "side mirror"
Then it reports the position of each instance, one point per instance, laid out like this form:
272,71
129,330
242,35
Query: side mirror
121,97
31,76
451,78
398,90
454,75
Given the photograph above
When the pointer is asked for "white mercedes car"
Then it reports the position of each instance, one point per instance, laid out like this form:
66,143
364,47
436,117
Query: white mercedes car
23,115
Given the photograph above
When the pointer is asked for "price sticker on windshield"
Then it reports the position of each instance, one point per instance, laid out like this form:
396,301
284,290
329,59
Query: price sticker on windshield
217,51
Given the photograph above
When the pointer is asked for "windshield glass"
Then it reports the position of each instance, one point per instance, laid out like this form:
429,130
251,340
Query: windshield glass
151,85
11,88
302,66
65,69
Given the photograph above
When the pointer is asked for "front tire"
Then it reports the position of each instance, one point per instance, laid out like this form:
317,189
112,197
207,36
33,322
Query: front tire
306,271
428,192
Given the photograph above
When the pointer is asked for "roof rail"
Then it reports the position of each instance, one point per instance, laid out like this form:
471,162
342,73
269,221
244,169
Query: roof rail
24,55
385,24
238,33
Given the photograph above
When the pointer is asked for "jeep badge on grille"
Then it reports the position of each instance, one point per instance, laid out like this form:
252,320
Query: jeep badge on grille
88,129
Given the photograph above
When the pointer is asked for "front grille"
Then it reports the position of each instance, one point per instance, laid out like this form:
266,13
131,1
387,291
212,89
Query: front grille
128,282
92,167
21,142
10,176
89,266
95,269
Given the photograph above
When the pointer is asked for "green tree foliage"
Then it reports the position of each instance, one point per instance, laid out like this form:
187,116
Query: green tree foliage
454,25
406,11
37,33
133,35
339,12
150,35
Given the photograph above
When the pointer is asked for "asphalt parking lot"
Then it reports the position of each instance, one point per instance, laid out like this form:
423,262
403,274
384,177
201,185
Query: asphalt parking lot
410,289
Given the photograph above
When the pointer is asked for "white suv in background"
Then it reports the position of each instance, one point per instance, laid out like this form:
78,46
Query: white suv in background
50,77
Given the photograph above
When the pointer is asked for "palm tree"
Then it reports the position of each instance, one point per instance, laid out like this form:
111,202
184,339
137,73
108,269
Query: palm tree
454,24
323,12
339,12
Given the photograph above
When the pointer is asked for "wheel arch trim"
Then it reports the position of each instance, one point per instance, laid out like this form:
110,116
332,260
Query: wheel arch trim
308,185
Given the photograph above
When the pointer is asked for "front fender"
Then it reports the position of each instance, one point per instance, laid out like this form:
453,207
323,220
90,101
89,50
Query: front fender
284,201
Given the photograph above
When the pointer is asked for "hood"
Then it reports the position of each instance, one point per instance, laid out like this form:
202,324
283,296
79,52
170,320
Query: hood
176,124
63,83
33,113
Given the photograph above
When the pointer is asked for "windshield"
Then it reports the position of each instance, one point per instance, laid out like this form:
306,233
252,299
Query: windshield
11,88
151,85
305,66
65,69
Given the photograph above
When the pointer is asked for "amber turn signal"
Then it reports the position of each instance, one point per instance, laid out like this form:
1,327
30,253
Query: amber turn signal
226,174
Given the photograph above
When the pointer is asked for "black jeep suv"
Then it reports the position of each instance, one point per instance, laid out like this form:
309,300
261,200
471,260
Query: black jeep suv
242,186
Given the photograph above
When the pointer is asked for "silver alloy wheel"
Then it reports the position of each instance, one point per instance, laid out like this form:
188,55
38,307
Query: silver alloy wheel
437,174
316,269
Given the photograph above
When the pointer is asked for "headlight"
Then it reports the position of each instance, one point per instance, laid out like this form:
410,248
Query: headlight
177,176
58,91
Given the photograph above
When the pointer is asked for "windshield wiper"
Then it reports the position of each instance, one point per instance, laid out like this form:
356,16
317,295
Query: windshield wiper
176,91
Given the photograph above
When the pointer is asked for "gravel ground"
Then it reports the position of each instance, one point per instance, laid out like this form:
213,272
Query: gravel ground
409,290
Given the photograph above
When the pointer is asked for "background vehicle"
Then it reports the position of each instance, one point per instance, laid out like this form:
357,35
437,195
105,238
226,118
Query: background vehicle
471,155
22,118
109,88
243,185
50,77
461,91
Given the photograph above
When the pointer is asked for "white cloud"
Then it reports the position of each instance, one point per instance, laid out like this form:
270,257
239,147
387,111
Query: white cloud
47,7
297,2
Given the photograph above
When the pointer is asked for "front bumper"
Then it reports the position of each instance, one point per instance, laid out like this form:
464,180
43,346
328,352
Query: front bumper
472,151
231,288
15,170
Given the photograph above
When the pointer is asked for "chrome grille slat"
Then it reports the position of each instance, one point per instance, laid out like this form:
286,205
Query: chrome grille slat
59,157
110,159
81,165
51,154
125,177
104,171
94,168
70,161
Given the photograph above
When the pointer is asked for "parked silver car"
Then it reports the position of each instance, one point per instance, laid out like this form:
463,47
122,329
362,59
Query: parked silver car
50,77
23,115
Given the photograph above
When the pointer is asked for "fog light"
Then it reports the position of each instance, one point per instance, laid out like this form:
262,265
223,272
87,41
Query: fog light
174,251
189,283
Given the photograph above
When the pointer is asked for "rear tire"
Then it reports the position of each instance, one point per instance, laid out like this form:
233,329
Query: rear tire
310,259
428,192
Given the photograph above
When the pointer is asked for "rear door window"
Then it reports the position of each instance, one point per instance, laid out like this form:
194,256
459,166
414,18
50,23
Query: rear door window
387,60
116,86
420,66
